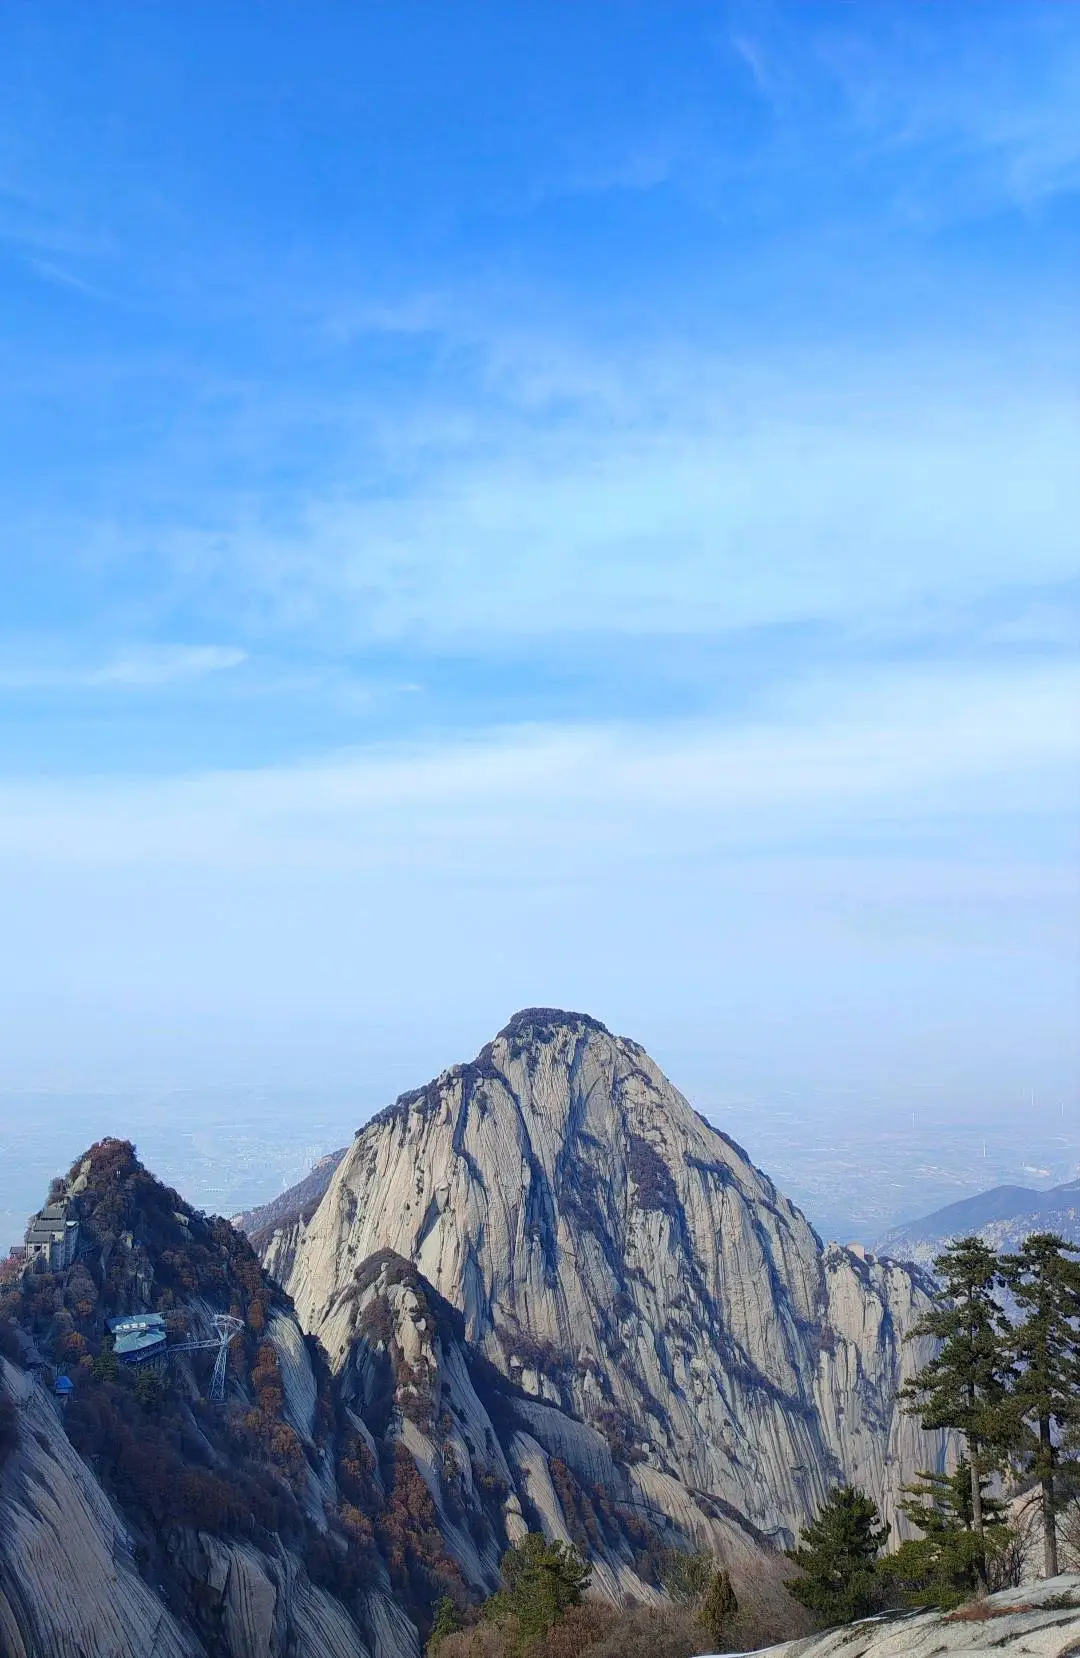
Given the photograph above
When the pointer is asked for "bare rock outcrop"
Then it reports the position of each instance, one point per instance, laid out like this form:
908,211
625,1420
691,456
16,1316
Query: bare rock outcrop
141,1511
544,1293
68,1581
496,1463
616,1257
283,1216
1040,1621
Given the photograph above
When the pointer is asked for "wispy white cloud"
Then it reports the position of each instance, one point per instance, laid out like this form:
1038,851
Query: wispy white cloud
995,113
50,271
749,49
165,664
138,668
781,501
616,382
957,118
836,755
641,163
878,862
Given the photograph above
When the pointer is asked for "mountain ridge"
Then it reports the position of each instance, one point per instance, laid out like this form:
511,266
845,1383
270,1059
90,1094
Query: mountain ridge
1003,1216
299,1200
540,1293
312,1513
544,1186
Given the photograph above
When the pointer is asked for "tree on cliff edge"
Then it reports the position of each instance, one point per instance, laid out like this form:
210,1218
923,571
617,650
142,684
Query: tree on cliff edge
967,1385
1046,1346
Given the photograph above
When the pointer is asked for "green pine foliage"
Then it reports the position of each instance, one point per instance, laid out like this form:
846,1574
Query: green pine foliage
540,1581
718,1609
686,1574
967,1386
941,1567
1012,1390
696,1580
1045,1346
837,1556
447,1622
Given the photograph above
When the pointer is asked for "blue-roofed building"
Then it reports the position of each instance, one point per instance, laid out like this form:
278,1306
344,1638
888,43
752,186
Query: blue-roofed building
63,1387
138,1336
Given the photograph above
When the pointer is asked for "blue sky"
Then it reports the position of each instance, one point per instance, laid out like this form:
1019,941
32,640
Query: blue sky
568,503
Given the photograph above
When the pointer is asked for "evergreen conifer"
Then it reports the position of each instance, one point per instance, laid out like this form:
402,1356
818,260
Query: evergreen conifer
1045,1285
837,1554
718,1608
540,1580
941,1567
447,1622
966,1386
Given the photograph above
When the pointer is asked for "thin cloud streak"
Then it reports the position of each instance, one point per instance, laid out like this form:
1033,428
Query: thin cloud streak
999,746
141,668
669,495
769,515
608,385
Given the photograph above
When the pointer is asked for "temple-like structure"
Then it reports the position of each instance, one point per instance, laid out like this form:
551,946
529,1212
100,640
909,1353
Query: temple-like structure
52,1236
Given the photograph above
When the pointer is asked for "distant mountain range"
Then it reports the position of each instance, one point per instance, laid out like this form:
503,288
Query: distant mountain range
298,1203
1003,1217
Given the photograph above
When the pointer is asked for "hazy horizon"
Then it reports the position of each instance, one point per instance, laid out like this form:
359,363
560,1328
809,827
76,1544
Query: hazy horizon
508,508
857,1160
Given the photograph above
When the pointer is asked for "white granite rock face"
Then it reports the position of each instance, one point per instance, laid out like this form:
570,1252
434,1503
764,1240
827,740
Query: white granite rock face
616,1256
1039,1621
403,1366
69,1582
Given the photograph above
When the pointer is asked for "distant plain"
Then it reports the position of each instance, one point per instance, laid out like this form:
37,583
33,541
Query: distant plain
855,1166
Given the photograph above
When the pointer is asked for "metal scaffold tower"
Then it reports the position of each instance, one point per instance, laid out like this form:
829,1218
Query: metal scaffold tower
225,1327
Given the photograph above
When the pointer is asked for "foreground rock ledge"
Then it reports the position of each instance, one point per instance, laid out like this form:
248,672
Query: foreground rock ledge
1041,1619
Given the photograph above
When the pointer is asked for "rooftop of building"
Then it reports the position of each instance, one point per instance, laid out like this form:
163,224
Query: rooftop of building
137,1333
137,1321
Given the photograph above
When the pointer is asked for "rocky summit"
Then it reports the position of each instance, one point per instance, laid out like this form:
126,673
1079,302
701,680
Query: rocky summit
626,1268
539,1294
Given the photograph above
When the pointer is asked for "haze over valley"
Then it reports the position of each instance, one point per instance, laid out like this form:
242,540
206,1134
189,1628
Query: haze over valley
857,1167
539,824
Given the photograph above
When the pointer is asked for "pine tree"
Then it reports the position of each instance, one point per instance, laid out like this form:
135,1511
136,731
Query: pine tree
837,1554
686,1574
1046,1346
718,1608
540,1580
966,1386
940,1568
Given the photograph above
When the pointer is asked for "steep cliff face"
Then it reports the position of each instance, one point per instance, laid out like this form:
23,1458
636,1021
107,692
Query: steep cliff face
305,1513
143,1515
297,1204
70,1579
494,1463
546,1295
617,1258
67,1561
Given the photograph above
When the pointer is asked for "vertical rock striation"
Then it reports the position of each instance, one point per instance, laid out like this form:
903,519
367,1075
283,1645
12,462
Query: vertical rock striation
616,1257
